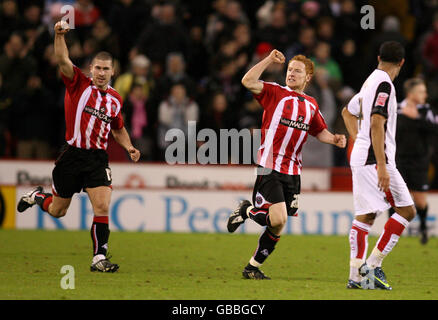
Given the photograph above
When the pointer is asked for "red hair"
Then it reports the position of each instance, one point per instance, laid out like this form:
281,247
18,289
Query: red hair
309,65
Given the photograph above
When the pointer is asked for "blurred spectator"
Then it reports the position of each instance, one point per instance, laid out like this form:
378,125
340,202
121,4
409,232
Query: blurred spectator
325,31
323,59
174,113
139,74
430,50
399,9
50,78
215,24
228,47
226,79
137,121
429,59
5,120
251,115
276,32
234,13
33,130
175,73
15,65
310,13
305,44
86,14
352,72
162,37
228,14
217,115
335,7
76,51
90,48
198,60
9,20
37,35
264,16
106,40
127,18
243,37
347,17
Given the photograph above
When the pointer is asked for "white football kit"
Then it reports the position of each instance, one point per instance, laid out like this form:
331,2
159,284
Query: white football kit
377,96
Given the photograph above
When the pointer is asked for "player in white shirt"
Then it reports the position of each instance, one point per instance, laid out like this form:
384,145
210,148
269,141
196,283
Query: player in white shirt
371,119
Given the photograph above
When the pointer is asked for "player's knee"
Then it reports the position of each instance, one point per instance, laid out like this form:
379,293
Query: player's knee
282,221
367,218
411,213
408,213
278,220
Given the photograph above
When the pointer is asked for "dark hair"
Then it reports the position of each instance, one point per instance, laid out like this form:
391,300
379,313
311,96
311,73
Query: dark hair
103,55
391,51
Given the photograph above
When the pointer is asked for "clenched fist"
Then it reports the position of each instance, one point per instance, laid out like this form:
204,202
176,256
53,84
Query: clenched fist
276,56
134,153
61,27
340,141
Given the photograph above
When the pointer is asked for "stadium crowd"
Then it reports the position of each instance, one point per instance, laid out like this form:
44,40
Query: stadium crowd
178,61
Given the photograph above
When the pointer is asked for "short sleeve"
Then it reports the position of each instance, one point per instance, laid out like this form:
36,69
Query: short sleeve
381,99
353,105
267,98
117,123
75,83
318,124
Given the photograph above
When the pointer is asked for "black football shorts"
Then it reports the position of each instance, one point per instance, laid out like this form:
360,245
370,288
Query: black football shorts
77,169
274,187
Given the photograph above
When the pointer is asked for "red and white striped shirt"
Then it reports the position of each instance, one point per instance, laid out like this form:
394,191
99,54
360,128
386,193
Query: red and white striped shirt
90,113
287,120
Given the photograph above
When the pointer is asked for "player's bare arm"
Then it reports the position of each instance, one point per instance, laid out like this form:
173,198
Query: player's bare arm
350,121
251,79
378,141
122,137
326,136
61,50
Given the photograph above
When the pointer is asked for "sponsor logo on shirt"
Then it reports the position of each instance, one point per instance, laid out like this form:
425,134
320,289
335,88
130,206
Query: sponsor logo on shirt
100,114
300,125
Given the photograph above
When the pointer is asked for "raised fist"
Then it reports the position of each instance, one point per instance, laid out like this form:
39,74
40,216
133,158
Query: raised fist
61,27
277,57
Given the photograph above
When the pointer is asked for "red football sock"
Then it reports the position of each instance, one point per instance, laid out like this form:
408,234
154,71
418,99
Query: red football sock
359,240
393,229
358,248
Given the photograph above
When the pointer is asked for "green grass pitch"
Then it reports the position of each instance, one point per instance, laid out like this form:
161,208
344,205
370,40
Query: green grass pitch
177,266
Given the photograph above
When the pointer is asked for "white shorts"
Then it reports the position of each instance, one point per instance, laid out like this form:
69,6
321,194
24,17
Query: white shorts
367,196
